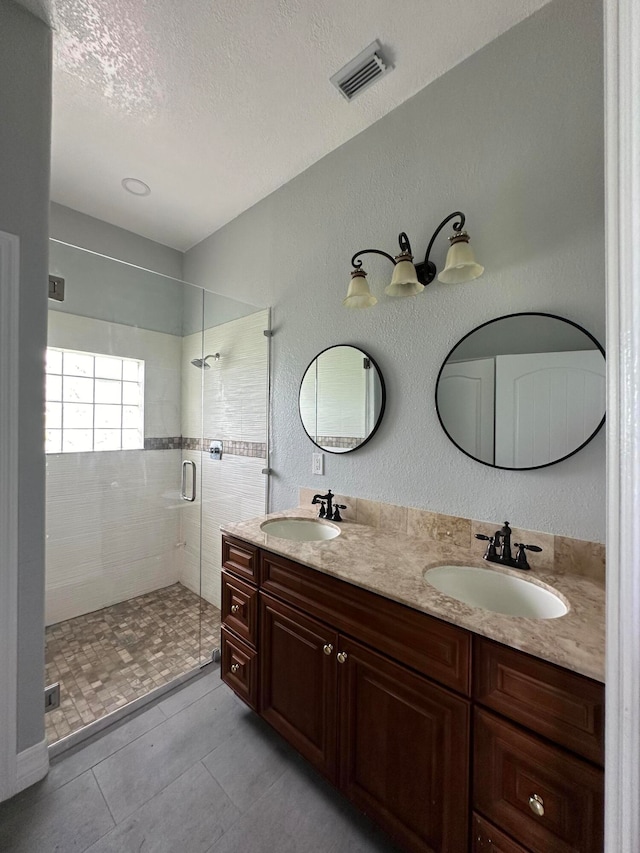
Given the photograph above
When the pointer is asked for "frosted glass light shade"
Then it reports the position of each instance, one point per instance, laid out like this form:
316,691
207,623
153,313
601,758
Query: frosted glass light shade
404,281
461,264
359,295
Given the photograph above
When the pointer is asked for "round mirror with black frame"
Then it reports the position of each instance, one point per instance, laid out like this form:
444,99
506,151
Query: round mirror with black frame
522,391
342,399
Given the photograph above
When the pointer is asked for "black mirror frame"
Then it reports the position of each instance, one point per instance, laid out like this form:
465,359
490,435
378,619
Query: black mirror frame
495,320
382,404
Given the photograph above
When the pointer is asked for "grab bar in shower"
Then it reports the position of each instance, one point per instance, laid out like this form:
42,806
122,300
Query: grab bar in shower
183,492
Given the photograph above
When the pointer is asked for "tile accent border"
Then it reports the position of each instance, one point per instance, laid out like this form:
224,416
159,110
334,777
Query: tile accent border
255,449
168,443
560,554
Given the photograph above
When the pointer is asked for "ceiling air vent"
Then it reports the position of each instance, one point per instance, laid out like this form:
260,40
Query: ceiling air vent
361,72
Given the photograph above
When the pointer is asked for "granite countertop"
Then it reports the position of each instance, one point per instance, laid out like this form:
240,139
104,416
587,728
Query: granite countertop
392,564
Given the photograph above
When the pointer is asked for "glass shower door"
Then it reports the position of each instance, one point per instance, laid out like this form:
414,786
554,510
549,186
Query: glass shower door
124,485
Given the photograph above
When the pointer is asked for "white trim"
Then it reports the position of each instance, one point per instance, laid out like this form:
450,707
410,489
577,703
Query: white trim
622,115
32,765
9,297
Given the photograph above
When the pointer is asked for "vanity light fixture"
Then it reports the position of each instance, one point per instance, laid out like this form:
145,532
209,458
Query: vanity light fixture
410,279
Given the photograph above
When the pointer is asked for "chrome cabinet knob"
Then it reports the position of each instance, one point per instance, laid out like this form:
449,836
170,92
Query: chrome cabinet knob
536,804
342,656
235,667
327,648
235,608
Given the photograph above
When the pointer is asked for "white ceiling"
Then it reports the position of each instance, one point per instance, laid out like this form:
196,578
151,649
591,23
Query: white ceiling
216,103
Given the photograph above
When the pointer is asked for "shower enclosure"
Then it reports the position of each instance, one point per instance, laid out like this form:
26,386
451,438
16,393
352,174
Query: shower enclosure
156,433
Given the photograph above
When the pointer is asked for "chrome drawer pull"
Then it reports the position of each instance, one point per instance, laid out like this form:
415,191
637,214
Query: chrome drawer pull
342,656
235,608
235,667
536,804
327,648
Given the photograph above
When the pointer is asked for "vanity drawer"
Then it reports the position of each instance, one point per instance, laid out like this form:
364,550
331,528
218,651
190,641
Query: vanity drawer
239,668
240,558
432,647
512,769
565,707
489,839
240,607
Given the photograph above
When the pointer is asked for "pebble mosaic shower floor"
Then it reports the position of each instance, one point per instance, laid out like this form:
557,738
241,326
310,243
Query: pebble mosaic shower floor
106,659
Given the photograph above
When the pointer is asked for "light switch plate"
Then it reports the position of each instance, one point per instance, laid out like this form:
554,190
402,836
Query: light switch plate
317,465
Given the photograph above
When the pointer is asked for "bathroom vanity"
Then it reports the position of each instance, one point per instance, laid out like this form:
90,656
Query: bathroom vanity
447,739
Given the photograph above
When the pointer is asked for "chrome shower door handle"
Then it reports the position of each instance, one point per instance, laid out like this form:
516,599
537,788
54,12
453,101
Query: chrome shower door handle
183,491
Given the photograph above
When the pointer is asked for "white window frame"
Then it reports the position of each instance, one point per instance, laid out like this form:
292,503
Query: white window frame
94,429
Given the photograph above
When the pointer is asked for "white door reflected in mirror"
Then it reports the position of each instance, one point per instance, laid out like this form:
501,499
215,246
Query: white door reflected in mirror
522,391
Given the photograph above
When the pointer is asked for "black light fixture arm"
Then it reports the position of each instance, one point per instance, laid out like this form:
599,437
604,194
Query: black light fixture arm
426,271
356,264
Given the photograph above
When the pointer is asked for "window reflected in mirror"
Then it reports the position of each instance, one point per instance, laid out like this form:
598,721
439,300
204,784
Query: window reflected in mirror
342,399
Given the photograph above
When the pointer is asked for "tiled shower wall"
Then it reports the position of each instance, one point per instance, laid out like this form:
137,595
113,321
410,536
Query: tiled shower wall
234,410
113,518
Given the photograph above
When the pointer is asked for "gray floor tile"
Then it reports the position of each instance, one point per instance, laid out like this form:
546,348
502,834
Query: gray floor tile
191,692
188,815
67,820
249,761
140,770
300,813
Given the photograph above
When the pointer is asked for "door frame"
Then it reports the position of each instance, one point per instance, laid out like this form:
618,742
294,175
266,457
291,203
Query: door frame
622,205
9,380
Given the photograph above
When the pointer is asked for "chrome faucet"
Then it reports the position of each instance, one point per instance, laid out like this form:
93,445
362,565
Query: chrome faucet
499,549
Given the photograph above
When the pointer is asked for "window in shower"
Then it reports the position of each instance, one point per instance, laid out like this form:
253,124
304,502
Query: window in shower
94,402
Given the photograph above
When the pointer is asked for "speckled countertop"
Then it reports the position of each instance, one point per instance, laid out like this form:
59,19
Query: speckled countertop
392,565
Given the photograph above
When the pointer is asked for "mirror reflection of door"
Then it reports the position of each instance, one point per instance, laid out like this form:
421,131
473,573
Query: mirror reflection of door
466,401
547,404
522,391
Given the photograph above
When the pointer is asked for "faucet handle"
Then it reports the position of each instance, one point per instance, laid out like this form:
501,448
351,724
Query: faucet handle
322,511
490,553
521,557
336,513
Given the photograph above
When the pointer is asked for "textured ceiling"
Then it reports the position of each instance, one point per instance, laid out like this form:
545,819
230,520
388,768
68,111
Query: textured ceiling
216,103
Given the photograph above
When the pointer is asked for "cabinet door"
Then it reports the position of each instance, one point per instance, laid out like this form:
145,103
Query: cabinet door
545,798
404,745
298,678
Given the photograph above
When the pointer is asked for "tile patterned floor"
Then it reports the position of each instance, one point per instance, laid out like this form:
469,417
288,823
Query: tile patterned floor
196,772
104,660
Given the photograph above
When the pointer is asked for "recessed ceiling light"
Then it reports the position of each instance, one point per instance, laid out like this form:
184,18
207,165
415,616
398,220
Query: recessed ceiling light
136,187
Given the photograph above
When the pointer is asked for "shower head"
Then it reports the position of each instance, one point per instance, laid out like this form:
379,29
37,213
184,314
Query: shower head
202,362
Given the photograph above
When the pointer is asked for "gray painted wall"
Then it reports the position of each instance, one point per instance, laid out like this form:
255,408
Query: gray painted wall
106,289
514,137
79,229
25,107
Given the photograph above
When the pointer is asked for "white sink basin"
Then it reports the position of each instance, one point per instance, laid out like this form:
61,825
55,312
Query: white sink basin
300,529
495,591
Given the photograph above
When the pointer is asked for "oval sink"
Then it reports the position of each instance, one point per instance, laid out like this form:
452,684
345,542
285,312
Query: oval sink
300,529
500,593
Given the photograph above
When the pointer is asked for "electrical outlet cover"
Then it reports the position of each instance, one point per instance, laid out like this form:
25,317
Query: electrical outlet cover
317,465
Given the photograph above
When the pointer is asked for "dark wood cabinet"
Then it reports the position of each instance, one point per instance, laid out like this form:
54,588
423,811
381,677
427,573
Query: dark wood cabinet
298,682
566,708
404,750
487,838
381,699
239,667
544,797
239,609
